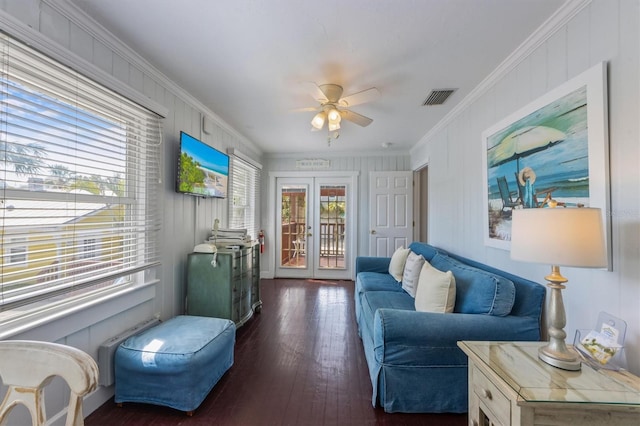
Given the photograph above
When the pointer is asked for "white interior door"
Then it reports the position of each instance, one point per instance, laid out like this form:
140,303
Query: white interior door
391,212
315,227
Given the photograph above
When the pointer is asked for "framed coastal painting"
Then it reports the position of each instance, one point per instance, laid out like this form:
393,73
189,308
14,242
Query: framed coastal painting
553,152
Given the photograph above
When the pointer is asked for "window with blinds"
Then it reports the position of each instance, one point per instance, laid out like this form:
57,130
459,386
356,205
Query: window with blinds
79,181
245,194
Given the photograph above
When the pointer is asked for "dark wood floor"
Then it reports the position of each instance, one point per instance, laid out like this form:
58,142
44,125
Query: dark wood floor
299,362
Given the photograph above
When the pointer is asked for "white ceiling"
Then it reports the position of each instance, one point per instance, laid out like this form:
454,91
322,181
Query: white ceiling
246,60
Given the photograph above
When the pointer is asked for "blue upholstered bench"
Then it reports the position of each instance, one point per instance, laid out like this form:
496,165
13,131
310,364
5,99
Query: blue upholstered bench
175,364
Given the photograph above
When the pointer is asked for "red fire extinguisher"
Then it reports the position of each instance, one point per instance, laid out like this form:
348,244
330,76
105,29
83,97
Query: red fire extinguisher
261,240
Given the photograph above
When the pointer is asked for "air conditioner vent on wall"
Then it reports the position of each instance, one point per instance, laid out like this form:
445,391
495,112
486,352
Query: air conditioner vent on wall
438,97
107,350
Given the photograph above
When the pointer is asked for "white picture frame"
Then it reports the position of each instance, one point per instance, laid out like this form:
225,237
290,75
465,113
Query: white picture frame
562,137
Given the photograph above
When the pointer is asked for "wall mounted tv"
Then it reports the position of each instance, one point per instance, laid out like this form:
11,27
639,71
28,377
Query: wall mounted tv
202,169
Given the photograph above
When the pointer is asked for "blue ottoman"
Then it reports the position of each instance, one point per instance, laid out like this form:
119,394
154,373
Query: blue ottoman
175,364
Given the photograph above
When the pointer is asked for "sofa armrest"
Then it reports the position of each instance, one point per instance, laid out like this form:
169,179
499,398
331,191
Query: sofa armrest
405,337
372,264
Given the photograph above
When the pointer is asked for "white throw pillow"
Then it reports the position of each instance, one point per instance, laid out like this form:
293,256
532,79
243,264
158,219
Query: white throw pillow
412,269
436,290
398,259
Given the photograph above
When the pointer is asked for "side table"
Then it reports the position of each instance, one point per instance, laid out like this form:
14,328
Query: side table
509,385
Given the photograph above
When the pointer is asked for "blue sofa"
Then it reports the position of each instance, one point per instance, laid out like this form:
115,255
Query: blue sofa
413,359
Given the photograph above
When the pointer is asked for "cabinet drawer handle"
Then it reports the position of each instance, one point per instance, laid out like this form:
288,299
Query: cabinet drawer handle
485,393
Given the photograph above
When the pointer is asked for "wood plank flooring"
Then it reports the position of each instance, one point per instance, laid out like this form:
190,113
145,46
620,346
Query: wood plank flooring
299,362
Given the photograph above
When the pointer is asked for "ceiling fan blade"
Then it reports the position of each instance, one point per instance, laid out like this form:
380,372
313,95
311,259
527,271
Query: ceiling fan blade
315,92
354,117
305,109
367,95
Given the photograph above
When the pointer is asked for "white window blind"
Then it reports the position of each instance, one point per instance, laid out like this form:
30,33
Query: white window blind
78,178
245,195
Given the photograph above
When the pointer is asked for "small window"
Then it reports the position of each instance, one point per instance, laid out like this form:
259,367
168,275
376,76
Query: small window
89,248
18,250
245,194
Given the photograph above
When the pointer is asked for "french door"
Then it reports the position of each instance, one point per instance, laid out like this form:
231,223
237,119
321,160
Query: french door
314,227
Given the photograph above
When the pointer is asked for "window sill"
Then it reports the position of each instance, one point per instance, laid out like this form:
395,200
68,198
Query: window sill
53,322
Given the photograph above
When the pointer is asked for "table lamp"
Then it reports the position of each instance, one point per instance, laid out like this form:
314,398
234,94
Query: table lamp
559,237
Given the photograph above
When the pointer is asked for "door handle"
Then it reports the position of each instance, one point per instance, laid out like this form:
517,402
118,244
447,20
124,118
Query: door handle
309,234
373,232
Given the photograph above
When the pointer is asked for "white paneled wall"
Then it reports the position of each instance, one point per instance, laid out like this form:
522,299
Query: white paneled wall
601,30
384,161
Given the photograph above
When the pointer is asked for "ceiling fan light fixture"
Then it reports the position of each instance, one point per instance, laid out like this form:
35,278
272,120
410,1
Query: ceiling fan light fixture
334,125
334,115
318,120
330,98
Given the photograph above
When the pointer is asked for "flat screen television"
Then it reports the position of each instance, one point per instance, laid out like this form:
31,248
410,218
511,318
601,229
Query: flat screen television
202,169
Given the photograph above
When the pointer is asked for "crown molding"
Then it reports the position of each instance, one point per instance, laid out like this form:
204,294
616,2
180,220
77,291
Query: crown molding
335,154
97,31
557,21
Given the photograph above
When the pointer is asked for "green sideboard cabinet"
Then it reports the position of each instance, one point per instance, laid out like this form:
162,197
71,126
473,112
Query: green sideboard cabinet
230,289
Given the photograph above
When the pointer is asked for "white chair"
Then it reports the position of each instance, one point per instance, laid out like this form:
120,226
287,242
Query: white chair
299,247
26,367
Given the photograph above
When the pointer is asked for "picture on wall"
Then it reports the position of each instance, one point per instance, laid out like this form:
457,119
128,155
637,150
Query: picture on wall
551,153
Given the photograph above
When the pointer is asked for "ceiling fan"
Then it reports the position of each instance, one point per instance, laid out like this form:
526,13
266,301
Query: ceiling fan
333,107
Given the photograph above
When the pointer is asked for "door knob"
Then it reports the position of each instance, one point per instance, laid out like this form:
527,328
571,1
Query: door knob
309,234
373,231
486,393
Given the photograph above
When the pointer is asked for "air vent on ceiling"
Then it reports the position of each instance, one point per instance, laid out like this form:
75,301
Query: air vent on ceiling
437,97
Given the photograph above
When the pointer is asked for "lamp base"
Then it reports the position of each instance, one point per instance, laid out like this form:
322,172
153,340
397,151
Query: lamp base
564,360
556,353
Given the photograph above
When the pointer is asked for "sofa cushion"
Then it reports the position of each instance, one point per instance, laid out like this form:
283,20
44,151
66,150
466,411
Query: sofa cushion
412,269
398,259
427,251
436,290
371,282
375,281
477,291
374,300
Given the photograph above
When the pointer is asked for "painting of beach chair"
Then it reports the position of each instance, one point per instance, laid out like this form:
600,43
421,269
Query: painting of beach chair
547,201
534,197
507,201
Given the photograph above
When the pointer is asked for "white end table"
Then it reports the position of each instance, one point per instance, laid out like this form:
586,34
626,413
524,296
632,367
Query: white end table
509,385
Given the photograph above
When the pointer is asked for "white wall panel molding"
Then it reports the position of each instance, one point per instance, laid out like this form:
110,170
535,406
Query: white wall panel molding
96,30
62,54
603,31
556,22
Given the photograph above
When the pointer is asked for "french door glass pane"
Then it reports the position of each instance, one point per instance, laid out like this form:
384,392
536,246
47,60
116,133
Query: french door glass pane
332,212
294,226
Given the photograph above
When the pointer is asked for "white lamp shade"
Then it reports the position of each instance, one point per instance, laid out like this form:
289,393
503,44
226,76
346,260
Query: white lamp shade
334,115
559,236
318,120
